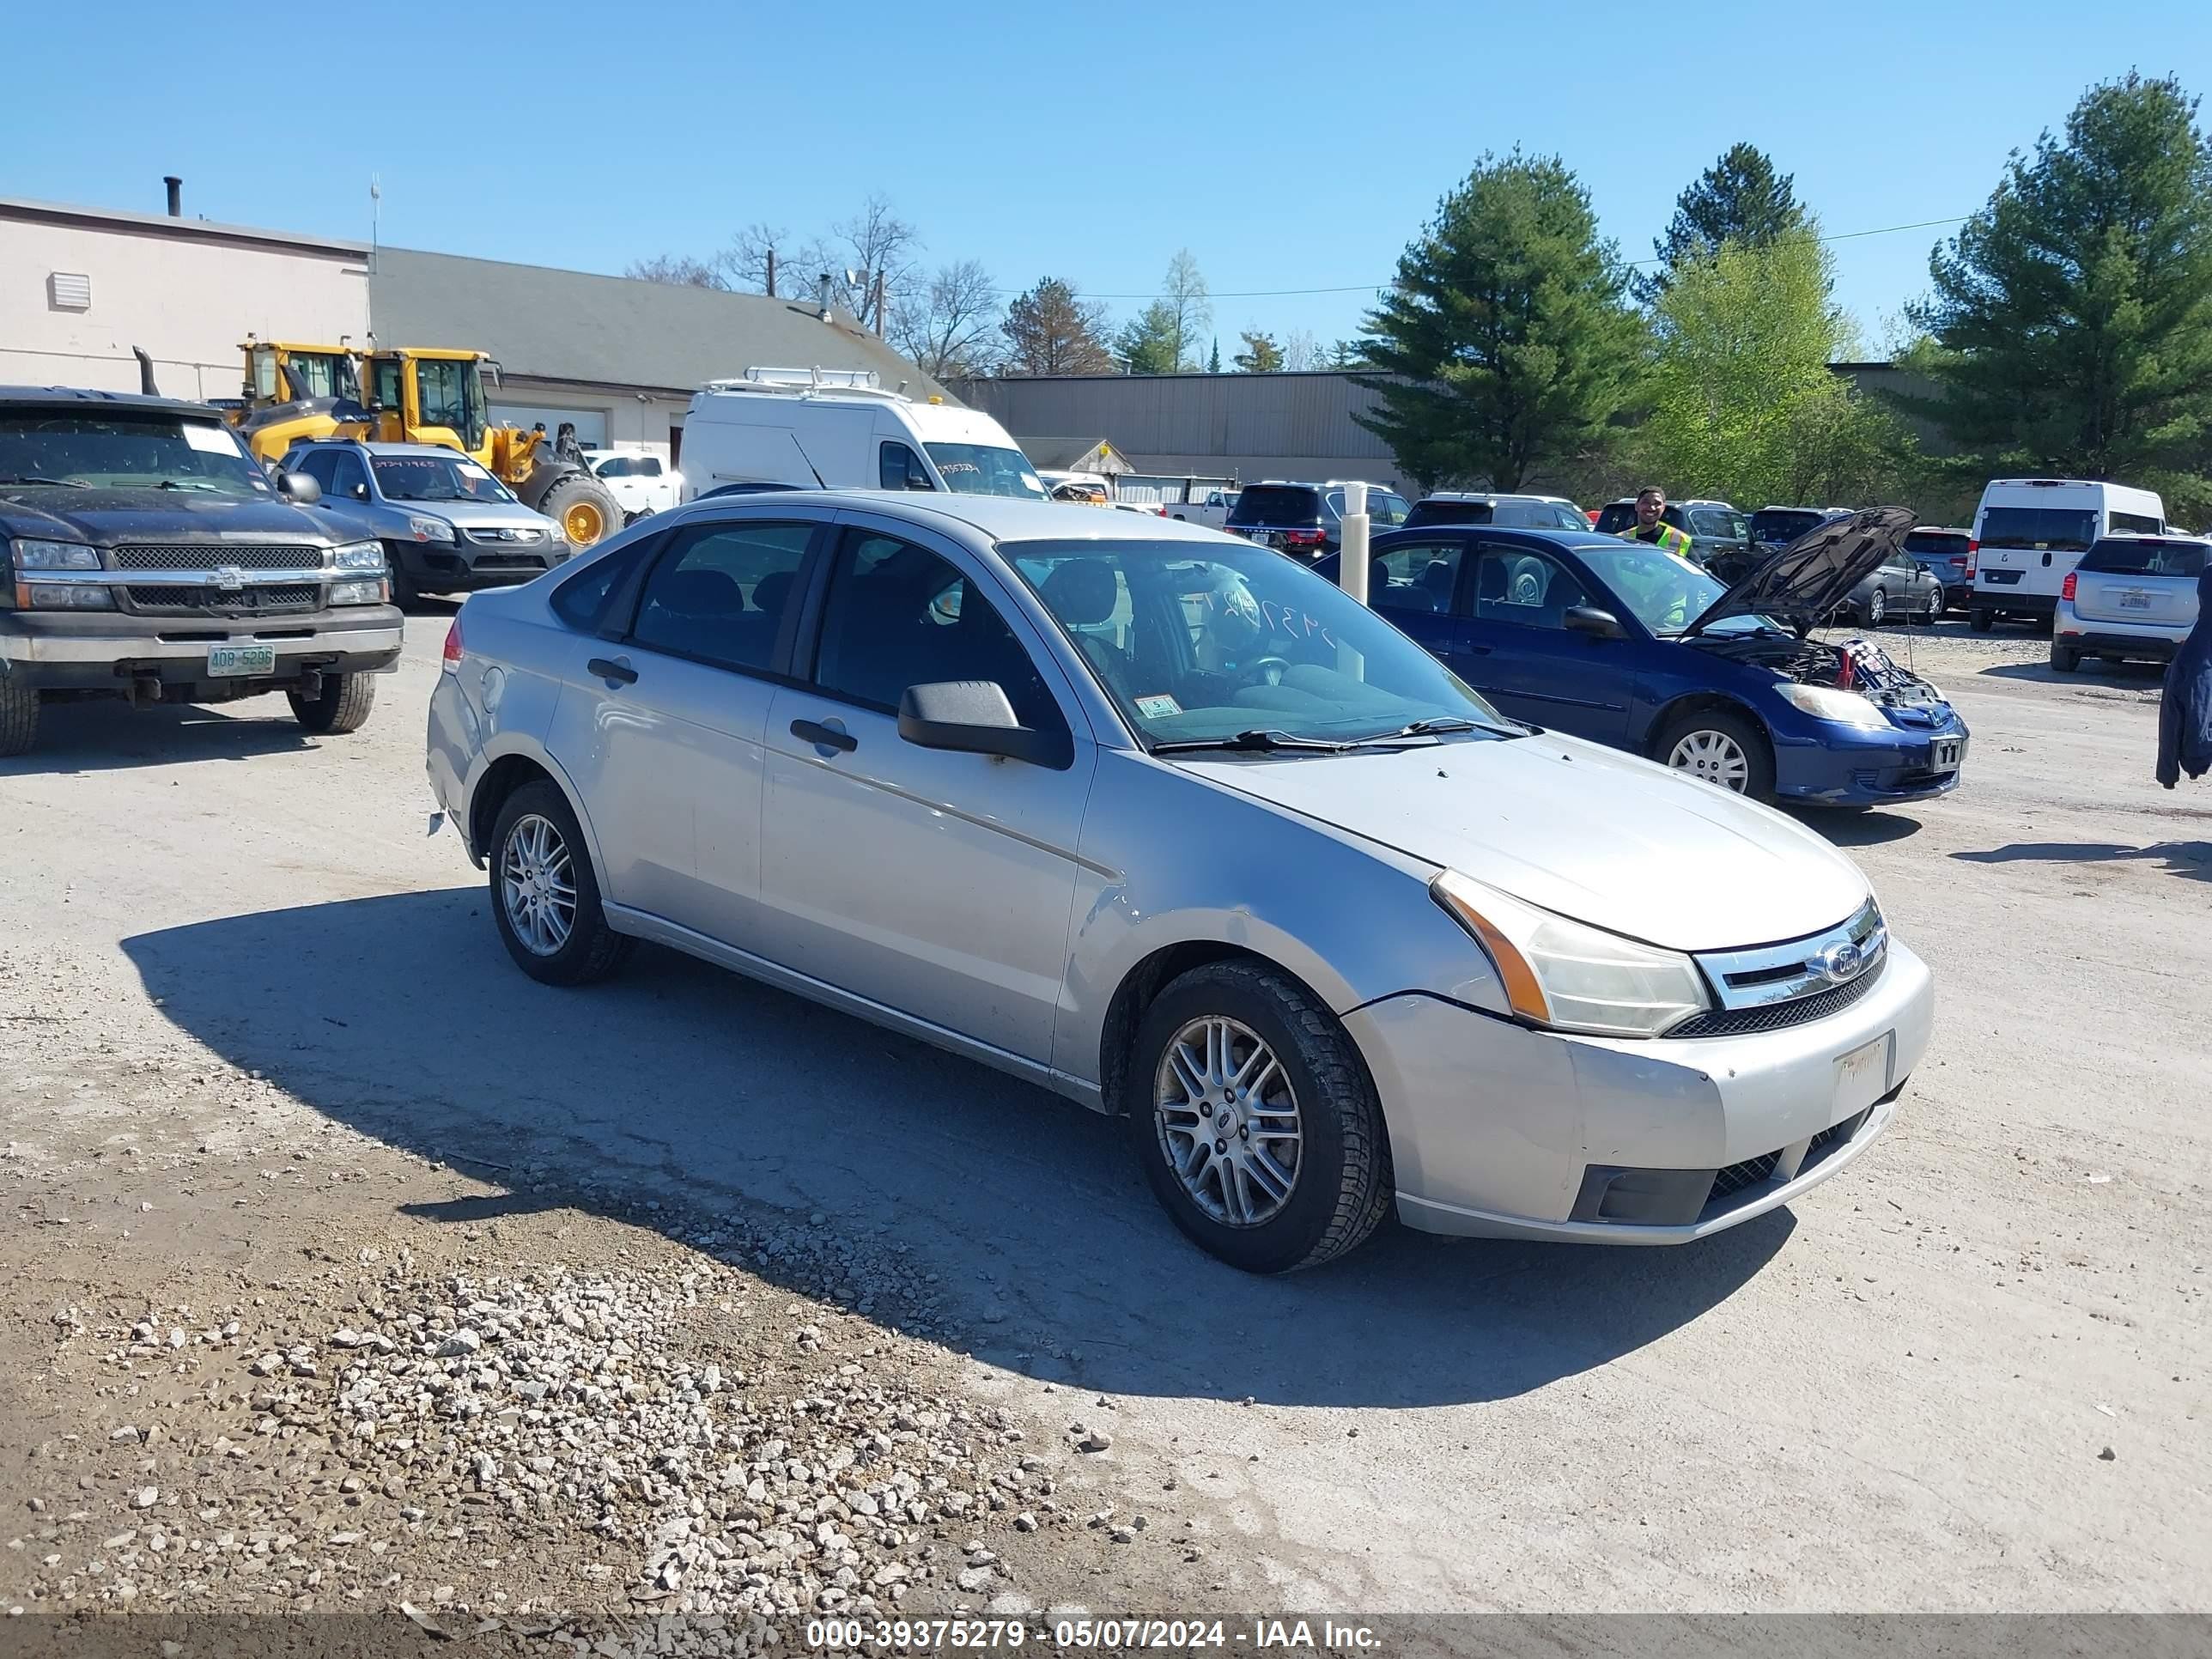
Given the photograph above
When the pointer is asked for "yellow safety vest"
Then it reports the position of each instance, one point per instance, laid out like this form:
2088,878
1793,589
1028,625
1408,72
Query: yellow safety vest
1668,540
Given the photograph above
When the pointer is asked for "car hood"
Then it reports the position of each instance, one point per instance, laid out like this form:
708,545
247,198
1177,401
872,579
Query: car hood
106,517
1807,578
479,515
1583,831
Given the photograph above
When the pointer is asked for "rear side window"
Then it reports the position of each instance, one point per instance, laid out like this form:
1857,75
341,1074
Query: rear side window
1433,511
1937,543
1784,527
2046,529
2136,524
1717,521
2128,556
719,593
1278,505
1420,576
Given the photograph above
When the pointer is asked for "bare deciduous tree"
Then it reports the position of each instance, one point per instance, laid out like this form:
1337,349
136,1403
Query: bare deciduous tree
679,269
946,330
1300,350
883,246
1184,297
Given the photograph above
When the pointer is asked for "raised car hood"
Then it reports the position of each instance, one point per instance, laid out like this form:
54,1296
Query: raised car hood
1583,831
1808,579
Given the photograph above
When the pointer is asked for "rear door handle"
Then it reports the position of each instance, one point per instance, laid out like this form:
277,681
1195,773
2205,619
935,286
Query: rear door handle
1475,650
825,737
620,672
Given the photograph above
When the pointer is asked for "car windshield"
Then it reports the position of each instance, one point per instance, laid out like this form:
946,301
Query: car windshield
2141,556
435,479
111,450
1667,593
1196,642
984,470
2046,529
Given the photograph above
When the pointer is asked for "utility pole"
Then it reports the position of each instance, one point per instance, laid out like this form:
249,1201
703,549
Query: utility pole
771,273
879,305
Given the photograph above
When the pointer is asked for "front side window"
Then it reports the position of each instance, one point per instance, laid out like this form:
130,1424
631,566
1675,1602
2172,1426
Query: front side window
898,467
321,465
897,615
719,593
386,378
1420,576
63,449
986,470
440,477
1664,593
347,477
1198,642
450,391
1524,588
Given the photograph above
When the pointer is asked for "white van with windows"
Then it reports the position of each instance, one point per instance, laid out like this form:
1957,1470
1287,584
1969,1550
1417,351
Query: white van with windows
2030,532
839,429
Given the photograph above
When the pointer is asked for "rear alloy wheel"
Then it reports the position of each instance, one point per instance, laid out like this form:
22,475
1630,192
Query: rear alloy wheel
1720,748
544,898
1932,611
1877,607
1254,1120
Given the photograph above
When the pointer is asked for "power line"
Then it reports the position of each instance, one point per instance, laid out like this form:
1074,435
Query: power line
1369,288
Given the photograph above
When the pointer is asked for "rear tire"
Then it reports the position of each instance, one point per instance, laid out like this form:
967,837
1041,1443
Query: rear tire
343,707
1718,747
1339,1184
1932,612
19,717
1981,620
2064,658
536,837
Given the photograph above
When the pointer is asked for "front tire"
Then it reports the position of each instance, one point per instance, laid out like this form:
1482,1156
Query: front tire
342,707
1254,1120
1722,748
19,717
1932,612
1981,620
585,508
544,897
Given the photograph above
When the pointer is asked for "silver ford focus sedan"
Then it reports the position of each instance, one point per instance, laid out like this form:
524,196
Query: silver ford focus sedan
1171,825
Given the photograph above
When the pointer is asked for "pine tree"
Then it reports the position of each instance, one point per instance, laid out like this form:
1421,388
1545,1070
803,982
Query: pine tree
1050,331
1740,198
1261,355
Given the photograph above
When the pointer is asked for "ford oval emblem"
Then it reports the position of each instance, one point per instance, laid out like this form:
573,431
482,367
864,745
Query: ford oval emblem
1837,963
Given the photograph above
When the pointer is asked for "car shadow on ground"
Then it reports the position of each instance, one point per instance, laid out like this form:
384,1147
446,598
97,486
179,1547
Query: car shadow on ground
1845,828
2135,676
2190,859
683,1085
107,735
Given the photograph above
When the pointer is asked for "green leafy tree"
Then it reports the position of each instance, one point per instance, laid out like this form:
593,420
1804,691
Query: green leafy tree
1740,198
1149,343
1743,403
1509,342
2071,320
1261,355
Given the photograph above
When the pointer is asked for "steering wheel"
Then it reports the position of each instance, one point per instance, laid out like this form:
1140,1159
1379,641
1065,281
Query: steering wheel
1268,670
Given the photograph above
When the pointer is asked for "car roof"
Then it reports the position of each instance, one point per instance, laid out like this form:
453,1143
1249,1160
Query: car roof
1574,541
1489,496
81,397
1939,529
1000,517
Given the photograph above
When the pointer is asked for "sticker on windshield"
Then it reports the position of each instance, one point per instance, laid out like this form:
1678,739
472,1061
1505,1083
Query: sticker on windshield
1158,706
209,439
470,470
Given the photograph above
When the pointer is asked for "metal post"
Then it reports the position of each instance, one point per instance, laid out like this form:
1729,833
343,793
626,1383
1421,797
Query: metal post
771,273
1351,569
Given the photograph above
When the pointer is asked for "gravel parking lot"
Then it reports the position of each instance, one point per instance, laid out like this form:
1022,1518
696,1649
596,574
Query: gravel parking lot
350,1268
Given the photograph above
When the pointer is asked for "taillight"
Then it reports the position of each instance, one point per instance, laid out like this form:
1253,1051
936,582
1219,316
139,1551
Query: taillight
1302,538
453,654
2066,589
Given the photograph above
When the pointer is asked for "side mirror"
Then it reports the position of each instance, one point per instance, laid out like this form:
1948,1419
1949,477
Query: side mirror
299,488
360,492
973,717
1598,624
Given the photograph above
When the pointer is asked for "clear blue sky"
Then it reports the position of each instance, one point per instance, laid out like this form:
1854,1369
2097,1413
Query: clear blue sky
1288,145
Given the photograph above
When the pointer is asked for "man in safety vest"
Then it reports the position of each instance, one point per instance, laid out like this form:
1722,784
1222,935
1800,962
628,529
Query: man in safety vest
1651,503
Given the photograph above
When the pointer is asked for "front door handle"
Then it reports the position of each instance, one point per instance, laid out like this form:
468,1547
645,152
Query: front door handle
1475,650
825,736
620,672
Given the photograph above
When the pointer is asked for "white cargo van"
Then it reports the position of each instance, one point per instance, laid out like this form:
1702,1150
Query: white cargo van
2029,532
838,429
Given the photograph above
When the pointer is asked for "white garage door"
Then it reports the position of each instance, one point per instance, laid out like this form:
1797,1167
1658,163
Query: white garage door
591,423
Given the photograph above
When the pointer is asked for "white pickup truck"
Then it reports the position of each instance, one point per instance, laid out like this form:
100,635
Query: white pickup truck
640,483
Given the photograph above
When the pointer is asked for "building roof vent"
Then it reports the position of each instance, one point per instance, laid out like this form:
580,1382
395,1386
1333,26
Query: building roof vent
69,290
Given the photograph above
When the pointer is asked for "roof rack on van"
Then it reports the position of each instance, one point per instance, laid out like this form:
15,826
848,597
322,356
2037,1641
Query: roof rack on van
802,382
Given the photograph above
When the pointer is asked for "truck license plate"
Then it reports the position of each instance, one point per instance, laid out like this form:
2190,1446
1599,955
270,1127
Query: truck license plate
240,661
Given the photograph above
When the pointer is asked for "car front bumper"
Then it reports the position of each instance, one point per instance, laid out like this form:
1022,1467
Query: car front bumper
1846,766
470,567
1500,1131
108,651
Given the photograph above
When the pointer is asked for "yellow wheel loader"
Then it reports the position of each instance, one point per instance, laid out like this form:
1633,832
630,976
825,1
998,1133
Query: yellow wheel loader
419,395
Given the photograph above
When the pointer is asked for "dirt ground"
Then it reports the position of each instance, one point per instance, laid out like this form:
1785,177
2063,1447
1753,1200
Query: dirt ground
289,1146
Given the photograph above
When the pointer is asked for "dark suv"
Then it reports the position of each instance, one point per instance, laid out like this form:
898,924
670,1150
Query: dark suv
144,554
1307,518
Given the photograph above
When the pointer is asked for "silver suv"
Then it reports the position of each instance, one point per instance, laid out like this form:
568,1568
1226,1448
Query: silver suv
446,525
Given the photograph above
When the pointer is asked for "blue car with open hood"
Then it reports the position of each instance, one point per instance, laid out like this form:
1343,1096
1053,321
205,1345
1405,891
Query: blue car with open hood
1625,644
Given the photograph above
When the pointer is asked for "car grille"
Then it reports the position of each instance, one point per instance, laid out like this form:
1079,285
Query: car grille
521,538
1751,1172
190,601
183,556
1780,1016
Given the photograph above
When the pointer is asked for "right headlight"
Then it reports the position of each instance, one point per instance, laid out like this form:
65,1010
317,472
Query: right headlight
1832,702
1572,977
430,530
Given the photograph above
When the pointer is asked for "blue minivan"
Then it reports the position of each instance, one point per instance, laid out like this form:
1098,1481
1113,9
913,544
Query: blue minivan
1620,642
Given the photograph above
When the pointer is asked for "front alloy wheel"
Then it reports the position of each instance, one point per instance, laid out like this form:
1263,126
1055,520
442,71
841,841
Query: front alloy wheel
1228,1121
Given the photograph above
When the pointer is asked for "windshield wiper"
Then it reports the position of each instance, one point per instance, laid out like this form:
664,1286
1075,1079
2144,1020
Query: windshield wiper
60,483
1253,742
1428,728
